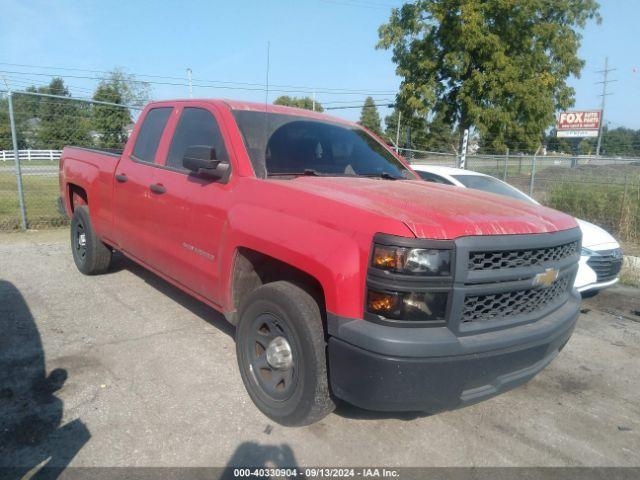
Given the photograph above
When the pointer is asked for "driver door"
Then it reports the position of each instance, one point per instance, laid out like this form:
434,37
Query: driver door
191,211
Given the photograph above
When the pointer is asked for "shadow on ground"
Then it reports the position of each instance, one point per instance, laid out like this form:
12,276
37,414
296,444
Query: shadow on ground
216,319
31,433
346,410
195,306
255,455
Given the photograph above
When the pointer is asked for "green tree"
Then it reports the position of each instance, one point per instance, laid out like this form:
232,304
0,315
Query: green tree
557,144
499,67
25,111
5,129
62,122
110,123
369,116
619,141
304,102
435,134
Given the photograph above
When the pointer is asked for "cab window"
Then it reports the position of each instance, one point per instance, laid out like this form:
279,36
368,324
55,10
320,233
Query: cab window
150,133
197,126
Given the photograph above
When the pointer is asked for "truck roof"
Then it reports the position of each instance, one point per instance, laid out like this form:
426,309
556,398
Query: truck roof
260,107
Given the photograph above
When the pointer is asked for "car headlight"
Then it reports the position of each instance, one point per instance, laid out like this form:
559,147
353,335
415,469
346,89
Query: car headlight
585,252
412,261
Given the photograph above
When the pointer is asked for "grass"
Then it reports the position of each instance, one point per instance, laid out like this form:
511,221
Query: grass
630,274
40,194
32,163
606,196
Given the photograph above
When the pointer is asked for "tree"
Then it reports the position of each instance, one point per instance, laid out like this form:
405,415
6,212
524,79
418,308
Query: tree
25,111
6,142
434,135
305,102
61,122
369,116
499,67
111,123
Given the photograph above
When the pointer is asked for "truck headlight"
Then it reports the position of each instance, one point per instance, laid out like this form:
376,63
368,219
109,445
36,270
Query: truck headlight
412,261
410,306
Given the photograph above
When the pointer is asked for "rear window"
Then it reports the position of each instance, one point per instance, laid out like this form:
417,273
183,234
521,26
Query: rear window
150,134
281,144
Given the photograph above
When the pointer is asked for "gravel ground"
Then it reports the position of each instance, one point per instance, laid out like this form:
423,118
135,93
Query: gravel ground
125,370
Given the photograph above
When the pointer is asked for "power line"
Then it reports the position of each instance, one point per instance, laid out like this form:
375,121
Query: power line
361,106
295,88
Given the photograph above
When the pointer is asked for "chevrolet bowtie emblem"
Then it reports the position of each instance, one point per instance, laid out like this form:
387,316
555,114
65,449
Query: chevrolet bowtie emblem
546,278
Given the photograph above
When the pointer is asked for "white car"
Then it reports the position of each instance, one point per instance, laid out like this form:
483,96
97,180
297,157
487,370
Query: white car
601,258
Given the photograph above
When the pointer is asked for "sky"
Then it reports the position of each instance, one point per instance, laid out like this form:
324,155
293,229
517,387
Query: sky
322,46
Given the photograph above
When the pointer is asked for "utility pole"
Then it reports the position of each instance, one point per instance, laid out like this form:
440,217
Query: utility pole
398,132
605,82
190,83
314,101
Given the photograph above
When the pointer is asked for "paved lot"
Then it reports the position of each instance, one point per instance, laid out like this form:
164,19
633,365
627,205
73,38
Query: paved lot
124,370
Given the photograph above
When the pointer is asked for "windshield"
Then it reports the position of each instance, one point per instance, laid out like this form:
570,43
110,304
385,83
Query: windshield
491,185
293,145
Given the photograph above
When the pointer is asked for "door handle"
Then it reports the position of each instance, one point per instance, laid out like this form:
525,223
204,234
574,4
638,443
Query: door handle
121,177
157,188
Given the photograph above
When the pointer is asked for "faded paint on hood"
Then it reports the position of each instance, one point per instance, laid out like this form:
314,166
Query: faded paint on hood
437,211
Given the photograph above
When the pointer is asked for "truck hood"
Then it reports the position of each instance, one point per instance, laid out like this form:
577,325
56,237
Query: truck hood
437,211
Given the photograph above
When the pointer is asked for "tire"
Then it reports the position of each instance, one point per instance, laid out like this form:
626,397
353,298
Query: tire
93,257
295,391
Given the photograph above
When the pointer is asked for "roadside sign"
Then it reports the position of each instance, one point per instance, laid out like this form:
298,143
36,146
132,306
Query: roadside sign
578,124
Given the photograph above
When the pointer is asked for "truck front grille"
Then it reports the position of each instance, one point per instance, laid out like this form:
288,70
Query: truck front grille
607,264
480,308
496,260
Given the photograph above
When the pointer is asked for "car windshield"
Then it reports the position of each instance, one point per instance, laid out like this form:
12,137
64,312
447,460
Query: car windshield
491,185
281,144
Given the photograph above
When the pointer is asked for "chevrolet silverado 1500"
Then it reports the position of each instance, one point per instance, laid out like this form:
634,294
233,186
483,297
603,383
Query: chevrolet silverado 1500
345,275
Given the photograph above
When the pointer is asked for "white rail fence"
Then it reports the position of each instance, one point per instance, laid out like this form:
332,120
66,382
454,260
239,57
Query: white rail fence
30,155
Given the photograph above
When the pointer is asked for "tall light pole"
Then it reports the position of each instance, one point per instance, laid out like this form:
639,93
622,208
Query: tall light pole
190,83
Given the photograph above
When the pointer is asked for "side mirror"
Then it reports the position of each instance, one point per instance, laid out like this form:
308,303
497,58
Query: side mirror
201,160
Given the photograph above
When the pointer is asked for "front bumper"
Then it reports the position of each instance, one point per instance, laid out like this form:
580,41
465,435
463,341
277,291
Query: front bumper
599,271
386,368
597,286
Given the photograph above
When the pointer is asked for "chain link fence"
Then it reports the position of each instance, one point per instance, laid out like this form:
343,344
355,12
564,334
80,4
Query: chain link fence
41,126
602,190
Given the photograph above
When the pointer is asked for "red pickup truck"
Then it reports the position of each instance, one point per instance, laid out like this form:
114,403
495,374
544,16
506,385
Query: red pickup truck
346,276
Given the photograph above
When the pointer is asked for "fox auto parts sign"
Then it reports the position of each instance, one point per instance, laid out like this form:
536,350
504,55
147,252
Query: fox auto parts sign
578,124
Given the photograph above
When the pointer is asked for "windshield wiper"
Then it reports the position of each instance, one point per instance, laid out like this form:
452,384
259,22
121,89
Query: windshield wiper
307,171
384,175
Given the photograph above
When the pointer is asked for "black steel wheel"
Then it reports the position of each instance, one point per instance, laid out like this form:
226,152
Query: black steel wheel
90,255
272,357
280,346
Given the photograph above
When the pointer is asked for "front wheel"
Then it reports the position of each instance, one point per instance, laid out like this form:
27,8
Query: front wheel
90,255
280,347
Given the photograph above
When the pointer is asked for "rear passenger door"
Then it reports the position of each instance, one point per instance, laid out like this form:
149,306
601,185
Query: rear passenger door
191,213
134,175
